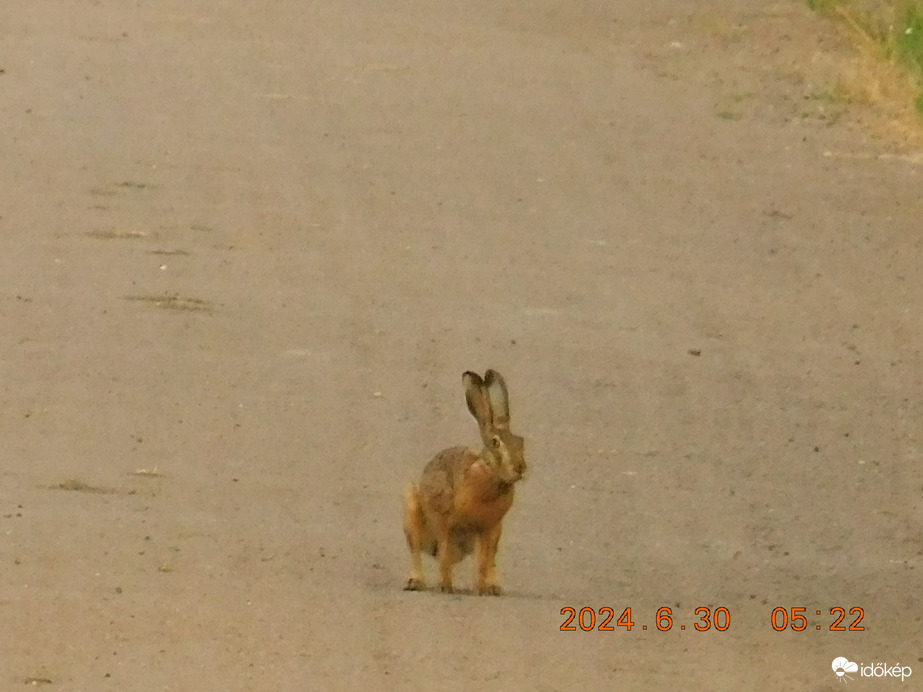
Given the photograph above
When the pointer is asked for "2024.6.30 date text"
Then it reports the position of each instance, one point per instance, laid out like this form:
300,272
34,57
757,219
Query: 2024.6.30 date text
604,620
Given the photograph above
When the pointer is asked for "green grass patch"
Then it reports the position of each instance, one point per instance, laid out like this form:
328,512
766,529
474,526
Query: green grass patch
908,42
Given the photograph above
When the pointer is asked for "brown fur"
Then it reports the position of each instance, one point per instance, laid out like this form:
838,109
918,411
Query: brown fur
463,493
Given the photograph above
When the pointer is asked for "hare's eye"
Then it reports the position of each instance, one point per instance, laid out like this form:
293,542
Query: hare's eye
495,442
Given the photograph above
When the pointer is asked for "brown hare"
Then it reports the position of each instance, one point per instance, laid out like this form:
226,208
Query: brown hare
464,493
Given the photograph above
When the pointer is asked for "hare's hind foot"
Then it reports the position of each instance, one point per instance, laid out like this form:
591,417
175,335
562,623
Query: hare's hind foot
415,584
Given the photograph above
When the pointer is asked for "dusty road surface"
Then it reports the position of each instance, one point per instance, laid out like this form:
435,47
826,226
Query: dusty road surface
247,250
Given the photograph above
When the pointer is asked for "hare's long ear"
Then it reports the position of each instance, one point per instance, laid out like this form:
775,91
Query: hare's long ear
476,396
498,397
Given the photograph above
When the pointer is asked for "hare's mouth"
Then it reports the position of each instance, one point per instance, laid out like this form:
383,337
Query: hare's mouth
506,484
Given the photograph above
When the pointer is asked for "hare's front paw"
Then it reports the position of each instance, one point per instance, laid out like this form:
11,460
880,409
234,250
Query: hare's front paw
415,584
446,588
490,590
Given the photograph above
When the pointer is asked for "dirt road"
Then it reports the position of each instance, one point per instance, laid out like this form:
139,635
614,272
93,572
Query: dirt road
247,250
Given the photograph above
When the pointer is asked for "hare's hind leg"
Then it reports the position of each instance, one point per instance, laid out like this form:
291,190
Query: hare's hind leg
446,555
414,530
488,542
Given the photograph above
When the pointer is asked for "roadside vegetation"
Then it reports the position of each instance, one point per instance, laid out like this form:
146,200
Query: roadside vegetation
889,70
